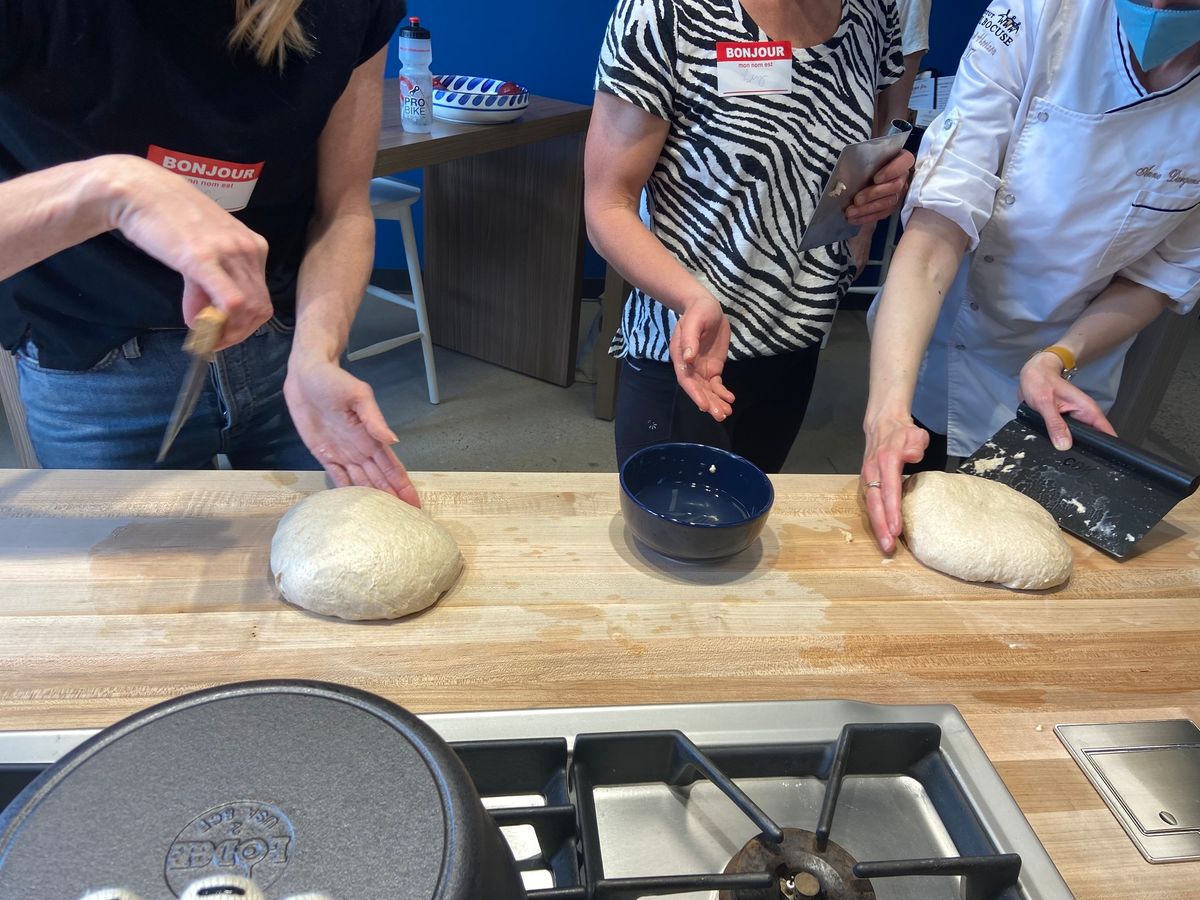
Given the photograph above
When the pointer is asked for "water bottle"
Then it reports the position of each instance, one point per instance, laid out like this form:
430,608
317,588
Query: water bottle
416,78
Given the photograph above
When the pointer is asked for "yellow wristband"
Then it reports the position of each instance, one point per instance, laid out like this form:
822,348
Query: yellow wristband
1065,356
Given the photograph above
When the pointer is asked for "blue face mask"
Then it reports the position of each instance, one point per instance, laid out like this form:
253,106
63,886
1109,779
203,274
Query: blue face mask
1157,35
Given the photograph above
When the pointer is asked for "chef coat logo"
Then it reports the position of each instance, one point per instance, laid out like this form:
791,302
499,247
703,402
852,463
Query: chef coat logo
1004,26
249,838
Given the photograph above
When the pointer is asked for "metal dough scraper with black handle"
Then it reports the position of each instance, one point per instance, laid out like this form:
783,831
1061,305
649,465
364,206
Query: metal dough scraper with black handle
1103,490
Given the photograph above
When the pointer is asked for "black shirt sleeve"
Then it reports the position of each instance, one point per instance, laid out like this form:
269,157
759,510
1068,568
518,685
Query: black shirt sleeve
382,22
13,19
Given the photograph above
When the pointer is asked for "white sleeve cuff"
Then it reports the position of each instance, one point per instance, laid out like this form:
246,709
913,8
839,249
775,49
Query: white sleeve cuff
1180,282
1173,267
951,184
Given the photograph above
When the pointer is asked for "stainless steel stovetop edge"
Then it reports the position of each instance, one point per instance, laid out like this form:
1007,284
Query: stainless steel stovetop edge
783,721
713,724
754,722
1004,821
40,748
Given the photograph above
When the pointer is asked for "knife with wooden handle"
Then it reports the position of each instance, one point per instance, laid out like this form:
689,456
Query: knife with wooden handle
202,338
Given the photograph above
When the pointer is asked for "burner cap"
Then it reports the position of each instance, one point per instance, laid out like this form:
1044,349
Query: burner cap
804,872
298,786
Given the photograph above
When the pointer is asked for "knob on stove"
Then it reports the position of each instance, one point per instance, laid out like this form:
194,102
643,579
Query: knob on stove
299,787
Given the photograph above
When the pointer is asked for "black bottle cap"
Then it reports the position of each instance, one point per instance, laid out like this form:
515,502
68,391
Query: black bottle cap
414,31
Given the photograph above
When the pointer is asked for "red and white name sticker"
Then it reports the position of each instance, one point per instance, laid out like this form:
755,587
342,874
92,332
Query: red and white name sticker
230,184
763,67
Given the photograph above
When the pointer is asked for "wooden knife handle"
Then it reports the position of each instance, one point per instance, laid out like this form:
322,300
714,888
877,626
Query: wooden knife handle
205,331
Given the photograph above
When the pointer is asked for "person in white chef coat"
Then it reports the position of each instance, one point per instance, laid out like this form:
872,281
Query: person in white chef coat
1054,212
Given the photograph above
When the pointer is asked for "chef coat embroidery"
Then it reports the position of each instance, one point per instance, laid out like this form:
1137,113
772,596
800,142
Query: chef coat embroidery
230,184
1004,26
995,27
1175,176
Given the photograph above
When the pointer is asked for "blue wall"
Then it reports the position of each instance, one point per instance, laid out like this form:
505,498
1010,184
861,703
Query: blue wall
550,47
950,25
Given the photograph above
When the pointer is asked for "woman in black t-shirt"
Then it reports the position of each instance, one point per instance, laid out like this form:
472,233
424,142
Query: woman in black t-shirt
271,109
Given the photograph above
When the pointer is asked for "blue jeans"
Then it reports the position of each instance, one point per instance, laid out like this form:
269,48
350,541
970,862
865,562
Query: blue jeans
113,415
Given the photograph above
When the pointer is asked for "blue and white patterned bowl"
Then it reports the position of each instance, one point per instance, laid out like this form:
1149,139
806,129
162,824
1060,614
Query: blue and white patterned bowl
472,100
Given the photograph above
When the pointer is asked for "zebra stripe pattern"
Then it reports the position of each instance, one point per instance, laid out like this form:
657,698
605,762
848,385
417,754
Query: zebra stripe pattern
739,176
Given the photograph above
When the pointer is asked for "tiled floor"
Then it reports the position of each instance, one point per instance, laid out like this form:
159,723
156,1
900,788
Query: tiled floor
491,419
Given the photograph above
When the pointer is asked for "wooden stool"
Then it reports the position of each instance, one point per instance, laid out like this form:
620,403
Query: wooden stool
391,199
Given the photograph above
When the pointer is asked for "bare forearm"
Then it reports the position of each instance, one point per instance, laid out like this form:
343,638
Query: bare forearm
331,281
920,276
619,235
341,234
1118,313
624,143
44,212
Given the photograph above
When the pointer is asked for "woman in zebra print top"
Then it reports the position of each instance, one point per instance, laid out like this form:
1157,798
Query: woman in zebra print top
724,304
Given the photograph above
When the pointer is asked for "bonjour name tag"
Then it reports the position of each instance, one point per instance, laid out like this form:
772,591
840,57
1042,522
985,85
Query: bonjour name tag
228,183
763,67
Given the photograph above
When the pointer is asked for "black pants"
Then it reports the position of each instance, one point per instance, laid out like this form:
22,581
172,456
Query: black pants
771,397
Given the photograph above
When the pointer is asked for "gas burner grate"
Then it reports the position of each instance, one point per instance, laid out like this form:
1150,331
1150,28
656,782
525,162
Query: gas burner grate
668,757
986,877
524,784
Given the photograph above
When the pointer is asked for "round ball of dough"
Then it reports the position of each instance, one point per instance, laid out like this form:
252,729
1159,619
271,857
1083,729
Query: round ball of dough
981,530
359,553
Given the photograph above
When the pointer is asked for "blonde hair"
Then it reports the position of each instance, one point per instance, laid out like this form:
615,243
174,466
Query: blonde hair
270,29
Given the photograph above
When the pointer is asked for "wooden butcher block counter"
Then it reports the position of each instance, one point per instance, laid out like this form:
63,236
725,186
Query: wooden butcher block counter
123,589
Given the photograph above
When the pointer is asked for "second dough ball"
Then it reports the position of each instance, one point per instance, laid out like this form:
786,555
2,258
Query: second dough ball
981,530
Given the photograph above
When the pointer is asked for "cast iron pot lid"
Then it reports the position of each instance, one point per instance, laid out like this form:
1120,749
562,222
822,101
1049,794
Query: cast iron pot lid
299,786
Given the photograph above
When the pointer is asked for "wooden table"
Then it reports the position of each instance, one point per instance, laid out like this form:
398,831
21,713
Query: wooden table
124,589
503,231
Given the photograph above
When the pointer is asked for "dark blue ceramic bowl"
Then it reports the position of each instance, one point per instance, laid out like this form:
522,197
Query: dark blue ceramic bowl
692,502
